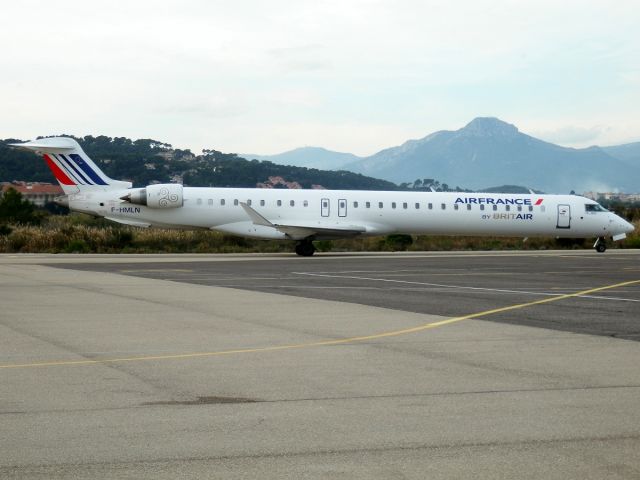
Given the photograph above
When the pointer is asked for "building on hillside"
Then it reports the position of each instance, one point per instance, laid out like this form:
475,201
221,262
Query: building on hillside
37,193
621,197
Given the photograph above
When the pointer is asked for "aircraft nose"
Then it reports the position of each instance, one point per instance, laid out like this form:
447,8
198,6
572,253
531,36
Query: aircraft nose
628,227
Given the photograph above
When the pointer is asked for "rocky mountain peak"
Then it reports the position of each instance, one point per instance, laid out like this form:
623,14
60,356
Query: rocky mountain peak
489,127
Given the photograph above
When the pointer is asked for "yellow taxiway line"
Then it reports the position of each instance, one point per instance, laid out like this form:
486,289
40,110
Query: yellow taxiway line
375,336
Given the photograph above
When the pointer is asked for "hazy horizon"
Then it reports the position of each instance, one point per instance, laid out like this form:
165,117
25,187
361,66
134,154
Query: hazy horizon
350,76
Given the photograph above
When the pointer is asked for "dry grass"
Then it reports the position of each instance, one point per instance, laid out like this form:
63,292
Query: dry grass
82,234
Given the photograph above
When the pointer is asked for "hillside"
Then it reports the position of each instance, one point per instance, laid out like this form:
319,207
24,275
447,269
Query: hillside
488,151
309,157
147,161
629,153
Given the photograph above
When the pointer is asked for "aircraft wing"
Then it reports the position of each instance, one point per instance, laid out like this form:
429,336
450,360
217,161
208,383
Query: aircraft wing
298,231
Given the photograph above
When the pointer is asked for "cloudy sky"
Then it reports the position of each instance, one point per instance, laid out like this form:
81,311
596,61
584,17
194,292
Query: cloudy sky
349,75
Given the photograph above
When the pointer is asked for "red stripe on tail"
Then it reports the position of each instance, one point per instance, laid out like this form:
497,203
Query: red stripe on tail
60,175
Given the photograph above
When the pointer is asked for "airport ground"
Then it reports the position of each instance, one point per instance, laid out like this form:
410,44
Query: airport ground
410,365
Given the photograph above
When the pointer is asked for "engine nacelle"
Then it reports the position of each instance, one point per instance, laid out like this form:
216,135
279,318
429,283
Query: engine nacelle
163,195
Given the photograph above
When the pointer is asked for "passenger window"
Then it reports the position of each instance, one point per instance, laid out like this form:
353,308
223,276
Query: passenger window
279,203
292,203
380,205
481,207
199,201
393,204
249,202
542,208
519,208
222,202
531,208
355,204
443,206
235,201
430,206
211,201
455,207
468,206
495,208
405,205
262,203
417,206
507,207
305,203
368,204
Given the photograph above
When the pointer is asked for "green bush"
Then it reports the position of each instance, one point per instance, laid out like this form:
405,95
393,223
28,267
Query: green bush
398,241
324,245
77,246
14,209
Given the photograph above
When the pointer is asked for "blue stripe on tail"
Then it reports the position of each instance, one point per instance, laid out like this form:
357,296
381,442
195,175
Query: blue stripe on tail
67,164
87,169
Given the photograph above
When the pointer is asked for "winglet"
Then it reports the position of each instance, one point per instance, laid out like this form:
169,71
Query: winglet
256,218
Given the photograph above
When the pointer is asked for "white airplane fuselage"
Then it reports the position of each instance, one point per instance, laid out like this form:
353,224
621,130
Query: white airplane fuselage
307,215
372,212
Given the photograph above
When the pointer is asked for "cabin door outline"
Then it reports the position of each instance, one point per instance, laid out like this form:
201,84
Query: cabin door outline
325,207
342,207
564,216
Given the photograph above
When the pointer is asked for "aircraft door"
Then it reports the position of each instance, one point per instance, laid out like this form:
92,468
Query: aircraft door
324,207
564,216
342,207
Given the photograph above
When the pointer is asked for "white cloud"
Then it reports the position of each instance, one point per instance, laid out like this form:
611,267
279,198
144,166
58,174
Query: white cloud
266,76
572,135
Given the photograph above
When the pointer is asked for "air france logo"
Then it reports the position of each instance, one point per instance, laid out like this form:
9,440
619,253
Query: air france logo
497,201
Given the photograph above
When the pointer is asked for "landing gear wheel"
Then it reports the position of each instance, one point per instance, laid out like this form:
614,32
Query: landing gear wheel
600,245
305,249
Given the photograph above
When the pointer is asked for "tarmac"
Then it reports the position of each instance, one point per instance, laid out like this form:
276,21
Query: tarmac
413,365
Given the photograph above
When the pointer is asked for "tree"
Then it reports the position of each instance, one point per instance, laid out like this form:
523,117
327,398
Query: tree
14,209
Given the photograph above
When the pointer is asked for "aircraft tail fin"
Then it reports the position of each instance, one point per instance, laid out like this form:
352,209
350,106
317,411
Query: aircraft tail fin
73,168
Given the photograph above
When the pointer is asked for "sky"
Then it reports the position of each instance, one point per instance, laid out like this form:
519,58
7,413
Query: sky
355,76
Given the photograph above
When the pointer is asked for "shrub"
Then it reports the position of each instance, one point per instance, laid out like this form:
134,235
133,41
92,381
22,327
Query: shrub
398,241
77,246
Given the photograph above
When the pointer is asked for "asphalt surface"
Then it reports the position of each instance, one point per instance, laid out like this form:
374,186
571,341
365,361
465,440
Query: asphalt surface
440,284
514,365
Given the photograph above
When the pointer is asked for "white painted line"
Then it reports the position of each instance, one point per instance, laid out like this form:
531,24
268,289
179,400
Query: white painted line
459,287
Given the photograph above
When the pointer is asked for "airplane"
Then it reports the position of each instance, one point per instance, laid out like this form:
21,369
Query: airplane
307,215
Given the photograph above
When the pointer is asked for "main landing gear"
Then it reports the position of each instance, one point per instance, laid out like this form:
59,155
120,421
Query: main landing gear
600,245
305,248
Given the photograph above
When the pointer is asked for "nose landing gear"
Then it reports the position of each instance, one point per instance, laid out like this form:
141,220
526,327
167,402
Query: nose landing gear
600,245
305,248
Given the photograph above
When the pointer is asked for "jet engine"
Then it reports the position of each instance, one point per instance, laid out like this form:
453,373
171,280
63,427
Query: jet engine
163,195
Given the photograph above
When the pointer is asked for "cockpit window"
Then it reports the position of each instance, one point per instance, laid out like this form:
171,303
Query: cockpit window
594,207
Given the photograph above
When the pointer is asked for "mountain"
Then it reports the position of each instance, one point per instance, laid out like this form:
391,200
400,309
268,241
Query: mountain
488,151
628,153
309,157
147,161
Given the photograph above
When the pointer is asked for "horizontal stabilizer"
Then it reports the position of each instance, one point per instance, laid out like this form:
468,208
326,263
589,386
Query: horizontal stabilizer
71,166
45,147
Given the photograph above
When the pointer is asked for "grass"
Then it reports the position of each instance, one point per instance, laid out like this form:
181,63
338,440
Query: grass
77,233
